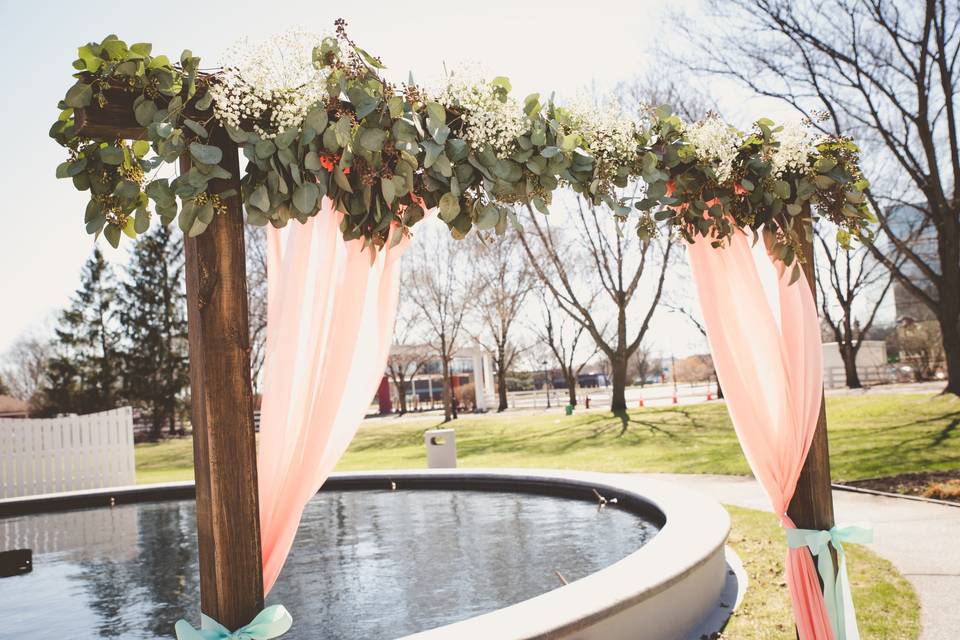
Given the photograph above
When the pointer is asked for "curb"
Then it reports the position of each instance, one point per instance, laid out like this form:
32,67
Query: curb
886,494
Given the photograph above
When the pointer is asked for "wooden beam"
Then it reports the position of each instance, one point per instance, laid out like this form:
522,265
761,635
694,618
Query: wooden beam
812,503
224,445
115,120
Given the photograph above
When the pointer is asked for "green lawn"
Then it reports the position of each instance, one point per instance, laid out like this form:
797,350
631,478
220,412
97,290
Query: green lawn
870,436
887,605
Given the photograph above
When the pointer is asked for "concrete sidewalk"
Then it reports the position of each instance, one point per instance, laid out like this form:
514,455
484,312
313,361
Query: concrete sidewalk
922,540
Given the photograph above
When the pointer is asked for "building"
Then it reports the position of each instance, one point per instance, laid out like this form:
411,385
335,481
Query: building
909,221
471,369
872,367
918,331
11,407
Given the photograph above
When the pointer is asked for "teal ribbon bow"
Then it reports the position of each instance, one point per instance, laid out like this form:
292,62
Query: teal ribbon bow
836,590
272,622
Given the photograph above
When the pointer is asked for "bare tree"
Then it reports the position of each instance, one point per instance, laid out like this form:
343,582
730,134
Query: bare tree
921,347
502,279
644,362
435,283
846,276
695,321
257,299
656,88
887,74
561,335
617,260
408,357
26,366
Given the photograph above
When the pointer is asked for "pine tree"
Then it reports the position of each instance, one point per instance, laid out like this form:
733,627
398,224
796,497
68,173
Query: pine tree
83,373
152,314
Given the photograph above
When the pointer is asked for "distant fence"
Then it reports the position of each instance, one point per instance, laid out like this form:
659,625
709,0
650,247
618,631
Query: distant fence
66,454
836,377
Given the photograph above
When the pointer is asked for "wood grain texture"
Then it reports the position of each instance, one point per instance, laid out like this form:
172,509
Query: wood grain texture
228,525
812,503
115,120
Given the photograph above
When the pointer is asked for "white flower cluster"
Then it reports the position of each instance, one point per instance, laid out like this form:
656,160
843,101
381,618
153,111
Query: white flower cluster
274,81
607,133
486,119
715,141
797,142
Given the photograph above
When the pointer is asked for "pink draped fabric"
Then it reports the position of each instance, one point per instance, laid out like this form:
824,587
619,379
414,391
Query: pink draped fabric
330,315
772,379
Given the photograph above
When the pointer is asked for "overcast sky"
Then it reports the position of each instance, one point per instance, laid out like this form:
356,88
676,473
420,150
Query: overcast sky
542,46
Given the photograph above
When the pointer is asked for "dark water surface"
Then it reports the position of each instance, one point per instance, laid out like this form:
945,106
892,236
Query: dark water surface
366,565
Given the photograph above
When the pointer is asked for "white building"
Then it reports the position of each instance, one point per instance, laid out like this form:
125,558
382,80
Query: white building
871,364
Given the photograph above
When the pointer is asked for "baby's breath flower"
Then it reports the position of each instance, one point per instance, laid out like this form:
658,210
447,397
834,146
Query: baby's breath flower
272,84
797,142
715,141
487,117
607,133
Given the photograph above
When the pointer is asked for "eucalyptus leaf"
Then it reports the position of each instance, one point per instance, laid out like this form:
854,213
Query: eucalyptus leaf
449,207
305,198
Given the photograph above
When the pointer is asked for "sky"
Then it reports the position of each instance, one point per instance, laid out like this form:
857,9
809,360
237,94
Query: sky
542,46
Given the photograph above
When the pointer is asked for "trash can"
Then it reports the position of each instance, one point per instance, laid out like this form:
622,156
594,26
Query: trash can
441,448
569,409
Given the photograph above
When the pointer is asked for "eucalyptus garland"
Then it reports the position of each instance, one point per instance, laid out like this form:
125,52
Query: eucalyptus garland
329,125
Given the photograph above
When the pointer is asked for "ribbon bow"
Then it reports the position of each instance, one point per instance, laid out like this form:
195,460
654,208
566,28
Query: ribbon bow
272,622
836,590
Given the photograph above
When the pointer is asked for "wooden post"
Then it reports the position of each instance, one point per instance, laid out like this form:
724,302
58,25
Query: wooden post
812,503
224,445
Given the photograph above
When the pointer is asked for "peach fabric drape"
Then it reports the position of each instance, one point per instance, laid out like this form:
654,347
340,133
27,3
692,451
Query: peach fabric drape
772,380
330,315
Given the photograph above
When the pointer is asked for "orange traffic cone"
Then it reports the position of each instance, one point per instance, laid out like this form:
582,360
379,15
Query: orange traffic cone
709,396
641,402
674,397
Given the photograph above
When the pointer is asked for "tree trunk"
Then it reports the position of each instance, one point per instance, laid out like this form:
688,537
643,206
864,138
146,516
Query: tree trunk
849,355
501,391
618,370
402,395
447,391
572,389
949,318
156,424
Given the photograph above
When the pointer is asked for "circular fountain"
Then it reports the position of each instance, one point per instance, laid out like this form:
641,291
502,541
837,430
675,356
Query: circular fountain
422,555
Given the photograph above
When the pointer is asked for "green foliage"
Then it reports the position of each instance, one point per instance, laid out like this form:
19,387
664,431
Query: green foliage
156,371
379,151
169,102
83,373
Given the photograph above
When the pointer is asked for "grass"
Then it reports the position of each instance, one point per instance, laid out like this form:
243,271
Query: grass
870,436
887,605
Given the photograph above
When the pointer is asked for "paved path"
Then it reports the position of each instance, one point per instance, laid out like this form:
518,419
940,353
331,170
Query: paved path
922,540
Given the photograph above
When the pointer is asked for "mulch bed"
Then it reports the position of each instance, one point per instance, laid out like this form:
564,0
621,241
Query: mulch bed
940,485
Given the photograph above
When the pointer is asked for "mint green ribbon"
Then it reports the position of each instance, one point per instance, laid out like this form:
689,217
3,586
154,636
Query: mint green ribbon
272,622
836,590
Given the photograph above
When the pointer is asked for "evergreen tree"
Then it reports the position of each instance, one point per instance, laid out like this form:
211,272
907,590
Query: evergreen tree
83,372
153,318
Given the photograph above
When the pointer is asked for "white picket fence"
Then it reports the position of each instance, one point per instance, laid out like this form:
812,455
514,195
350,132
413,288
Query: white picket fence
66,454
